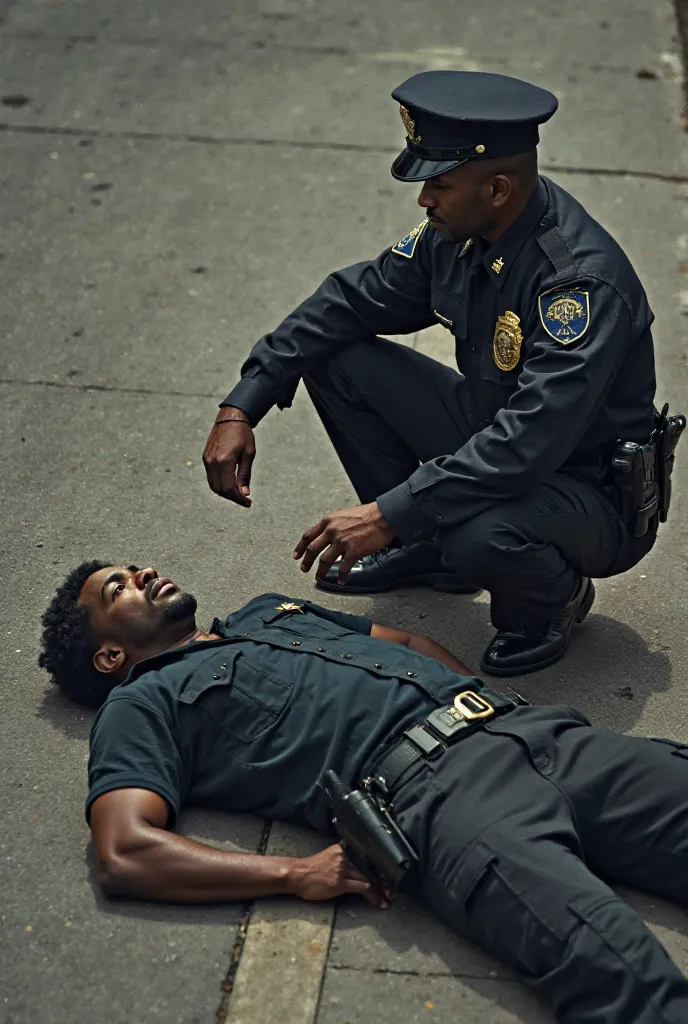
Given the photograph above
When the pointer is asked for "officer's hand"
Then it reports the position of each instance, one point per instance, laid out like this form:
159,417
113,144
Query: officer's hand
350,533
330,873
228,457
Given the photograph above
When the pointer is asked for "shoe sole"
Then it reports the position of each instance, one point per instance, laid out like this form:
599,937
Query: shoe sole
552,659
436,581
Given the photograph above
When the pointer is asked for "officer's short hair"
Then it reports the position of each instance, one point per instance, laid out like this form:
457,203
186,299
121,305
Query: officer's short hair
68,642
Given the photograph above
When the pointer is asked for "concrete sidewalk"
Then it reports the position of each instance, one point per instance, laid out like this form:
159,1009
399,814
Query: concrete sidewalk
174,178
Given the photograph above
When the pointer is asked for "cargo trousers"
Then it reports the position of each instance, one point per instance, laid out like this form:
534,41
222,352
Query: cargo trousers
521,826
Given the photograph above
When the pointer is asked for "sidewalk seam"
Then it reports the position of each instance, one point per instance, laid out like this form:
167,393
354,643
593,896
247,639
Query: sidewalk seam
358,147
240,939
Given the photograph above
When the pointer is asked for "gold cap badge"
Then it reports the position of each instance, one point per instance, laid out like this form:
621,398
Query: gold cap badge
506,344
409,124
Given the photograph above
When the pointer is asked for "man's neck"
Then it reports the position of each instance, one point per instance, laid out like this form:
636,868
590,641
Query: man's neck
510,217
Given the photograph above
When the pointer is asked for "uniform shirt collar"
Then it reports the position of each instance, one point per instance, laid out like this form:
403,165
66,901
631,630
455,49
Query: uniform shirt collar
500,257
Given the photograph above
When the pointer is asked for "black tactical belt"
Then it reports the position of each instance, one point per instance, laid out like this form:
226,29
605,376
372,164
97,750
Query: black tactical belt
441,729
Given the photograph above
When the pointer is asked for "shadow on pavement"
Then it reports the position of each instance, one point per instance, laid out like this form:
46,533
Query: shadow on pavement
610,670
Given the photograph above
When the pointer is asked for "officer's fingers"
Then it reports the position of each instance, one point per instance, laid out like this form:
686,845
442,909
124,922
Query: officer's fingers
367,890
244,470
230,489
328,559
345,566
314,548
307,537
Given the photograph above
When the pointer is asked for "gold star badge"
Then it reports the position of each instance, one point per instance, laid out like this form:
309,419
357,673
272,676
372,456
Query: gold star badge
289,606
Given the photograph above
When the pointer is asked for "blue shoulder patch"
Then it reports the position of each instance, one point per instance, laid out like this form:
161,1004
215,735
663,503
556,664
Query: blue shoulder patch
565,314
406,246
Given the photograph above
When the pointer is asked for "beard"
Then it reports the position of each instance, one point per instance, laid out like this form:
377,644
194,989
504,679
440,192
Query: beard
179,607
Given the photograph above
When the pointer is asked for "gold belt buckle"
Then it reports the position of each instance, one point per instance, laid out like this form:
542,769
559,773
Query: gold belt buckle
472,706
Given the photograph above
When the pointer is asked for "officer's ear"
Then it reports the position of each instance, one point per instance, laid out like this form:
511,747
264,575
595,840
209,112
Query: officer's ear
109,658
500,190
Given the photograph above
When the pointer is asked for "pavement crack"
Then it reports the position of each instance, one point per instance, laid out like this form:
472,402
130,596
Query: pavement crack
240,939
116,389
325,146
396,972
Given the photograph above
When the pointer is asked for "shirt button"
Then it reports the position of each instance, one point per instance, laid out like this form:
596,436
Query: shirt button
296,643
377,664
472,348
247,634
321,650
411,674
348,657
216,677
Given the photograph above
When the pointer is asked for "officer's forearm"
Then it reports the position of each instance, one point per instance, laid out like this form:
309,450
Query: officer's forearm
424,645
160,865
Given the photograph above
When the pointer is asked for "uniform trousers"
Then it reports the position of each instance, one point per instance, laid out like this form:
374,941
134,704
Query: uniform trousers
387,408
516,826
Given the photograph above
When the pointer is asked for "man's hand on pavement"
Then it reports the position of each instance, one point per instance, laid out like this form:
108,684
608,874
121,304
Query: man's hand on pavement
350,533
229,454
330,873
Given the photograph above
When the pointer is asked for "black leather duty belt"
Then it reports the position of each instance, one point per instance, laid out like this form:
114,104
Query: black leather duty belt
441,729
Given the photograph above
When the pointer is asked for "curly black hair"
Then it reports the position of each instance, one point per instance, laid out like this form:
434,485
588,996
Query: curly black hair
68,642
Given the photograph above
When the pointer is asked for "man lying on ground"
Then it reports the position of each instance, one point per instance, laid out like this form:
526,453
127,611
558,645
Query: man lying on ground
514,811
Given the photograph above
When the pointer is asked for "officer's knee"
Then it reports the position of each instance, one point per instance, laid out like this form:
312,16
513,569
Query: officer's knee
350,362
476,549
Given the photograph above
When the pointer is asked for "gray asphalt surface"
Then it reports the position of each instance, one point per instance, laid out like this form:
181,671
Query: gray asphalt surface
177,179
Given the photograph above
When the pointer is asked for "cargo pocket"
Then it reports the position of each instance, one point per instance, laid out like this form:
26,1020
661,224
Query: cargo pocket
679,749
494,912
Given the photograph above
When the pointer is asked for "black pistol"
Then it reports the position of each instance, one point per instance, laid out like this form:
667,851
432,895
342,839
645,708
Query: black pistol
372,839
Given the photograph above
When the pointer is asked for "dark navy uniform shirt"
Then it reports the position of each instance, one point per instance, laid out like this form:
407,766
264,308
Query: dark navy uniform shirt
579,372
251,722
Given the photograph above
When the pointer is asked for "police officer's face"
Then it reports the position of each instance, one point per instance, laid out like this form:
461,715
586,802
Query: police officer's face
137,609
461,203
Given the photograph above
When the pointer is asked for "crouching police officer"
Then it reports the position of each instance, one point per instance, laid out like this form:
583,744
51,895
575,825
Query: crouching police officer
503,817
505,476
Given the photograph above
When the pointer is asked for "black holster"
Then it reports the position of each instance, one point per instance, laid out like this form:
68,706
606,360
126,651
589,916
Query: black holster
665,437
633,466
373,841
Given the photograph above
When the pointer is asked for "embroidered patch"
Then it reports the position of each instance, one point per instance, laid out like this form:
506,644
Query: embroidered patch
565,315
506,344
406,246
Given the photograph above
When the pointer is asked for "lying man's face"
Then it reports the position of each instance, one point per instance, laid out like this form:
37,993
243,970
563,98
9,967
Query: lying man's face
134,613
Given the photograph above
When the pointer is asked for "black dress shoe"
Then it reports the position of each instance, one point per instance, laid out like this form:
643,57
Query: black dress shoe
514,652
414,566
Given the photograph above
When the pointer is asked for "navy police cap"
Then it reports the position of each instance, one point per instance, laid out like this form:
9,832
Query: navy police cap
454,116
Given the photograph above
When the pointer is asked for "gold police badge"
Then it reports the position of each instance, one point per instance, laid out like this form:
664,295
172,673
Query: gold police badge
409,124
289,606
506,344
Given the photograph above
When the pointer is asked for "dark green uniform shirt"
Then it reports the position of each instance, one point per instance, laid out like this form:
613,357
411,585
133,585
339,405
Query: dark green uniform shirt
251,722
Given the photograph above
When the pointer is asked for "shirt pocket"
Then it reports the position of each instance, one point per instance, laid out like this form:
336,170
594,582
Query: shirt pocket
306,624
493,374
243,700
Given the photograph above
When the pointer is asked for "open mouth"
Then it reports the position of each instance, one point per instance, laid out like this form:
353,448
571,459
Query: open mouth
161,587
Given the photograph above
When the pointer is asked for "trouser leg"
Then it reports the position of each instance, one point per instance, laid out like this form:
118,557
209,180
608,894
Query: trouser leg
630,797
386,409
531,552
502,864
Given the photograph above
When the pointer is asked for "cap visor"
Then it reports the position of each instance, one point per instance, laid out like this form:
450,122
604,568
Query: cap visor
409,167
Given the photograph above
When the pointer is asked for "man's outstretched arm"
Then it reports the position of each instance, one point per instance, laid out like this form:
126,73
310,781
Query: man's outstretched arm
422,645
138,857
